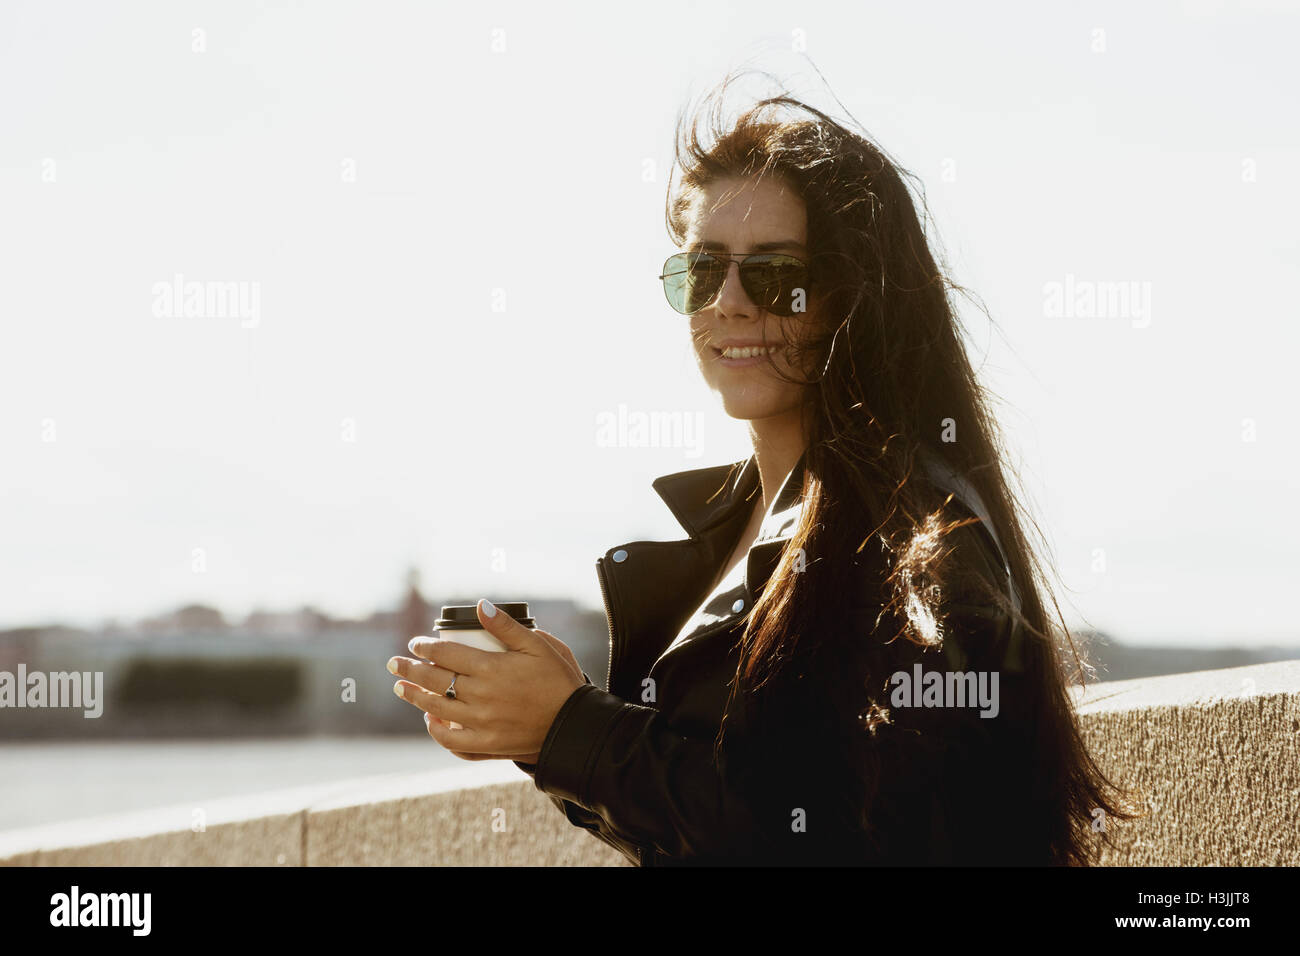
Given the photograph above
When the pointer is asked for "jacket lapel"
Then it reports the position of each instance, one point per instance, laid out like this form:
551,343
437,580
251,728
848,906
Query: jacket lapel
680,492
652,587
704,498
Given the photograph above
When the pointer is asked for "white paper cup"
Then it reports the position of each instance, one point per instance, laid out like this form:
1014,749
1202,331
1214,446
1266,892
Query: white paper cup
459,623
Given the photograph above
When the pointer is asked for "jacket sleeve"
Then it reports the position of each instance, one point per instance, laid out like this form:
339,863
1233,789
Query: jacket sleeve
650,786
583,818
782,797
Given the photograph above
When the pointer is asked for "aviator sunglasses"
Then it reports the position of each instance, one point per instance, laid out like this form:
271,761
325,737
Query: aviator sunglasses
771,280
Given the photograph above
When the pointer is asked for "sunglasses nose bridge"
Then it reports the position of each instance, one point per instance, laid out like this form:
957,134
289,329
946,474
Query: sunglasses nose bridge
733,262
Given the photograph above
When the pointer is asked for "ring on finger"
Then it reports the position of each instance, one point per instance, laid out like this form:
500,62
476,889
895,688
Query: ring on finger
425,673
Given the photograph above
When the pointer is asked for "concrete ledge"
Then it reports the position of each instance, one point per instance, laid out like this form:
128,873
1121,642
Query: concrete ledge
1213,757
480,817
265,829
487,814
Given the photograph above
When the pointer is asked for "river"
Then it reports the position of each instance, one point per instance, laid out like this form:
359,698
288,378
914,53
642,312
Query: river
50,782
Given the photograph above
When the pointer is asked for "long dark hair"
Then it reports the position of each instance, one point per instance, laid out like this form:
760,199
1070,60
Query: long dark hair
891,375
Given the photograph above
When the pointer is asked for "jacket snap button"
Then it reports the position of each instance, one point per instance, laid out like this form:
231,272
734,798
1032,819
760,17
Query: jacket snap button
738,606
620,556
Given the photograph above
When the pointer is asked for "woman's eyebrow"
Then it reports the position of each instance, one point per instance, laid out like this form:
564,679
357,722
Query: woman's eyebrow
758,247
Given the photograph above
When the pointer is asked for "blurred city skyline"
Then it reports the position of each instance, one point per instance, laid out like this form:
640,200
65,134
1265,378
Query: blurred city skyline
388,368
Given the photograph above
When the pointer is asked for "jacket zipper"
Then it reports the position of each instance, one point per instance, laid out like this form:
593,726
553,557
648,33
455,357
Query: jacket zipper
645,855
609,617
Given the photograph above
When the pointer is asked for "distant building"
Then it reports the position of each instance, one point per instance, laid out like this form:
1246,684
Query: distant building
304,622
192,617
413,620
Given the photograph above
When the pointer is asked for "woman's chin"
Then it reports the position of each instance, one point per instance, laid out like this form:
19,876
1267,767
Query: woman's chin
749,407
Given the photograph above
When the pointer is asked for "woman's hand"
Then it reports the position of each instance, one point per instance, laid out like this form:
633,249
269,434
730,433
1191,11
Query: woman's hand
505,702
564,651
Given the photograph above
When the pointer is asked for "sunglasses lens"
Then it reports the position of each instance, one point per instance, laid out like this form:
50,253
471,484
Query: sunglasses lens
691,280
776,283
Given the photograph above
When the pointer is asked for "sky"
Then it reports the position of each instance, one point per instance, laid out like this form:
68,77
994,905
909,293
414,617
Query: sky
396,368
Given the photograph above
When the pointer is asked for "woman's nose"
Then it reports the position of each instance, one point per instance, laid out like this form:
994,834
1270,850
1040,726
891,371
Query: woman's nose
732,297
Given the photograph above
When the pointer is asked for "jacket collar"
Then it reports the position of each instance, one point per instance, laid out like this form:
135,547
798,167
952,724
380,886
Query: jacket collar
711,504
708,503
703,499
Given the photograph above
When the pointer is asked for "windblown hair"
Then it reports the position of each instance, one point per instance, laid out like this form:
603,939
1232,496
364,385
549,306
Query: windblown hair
888,373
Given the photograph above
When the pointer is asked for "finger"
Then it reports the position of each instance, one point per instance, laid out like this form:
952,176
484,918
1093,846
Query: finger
465,756
561,648
464,740
431,703
462,754
452,656
552,641
429,676
469,741
505,628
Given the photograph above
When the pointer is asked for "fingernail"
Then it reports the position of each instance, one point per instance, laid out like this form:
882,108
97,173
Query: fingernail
392,665
488,608
400,690
410,645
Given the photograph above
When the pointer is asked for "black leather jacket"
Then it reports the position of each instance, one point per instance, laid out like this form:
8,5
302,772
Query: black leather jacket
634,762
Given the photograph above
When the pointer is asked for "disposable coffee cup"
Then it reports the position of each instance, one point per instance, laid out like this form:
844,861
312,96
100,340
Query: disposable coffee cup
459,623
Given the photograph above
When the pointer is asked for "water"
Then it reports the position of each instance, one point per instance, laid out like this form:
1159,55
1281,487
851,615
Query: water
51,782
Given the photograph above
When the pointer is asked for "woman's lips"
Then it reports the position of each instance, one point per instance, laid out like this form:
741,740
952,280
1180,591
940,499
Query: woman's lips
760,359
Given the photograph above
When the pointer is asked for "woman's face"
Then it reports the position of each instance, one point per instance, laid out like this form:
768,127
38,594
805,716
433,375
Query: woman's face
738,217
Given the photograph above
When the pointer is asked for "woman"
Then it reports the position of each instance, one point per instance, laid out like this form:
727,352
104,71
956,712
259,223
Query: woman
848,660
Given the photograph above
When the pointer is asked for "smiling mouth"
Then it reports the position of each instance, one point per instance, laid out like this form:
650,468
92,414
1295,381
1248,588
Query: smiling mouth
733,352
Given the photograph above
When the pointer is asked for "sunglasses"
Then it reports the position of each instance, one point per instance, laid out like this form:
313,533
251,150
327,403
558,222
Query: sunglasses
771,280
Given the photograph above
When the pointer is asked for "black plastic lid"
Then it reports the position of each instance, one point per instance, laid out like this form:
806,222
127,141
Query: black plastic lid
464,617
